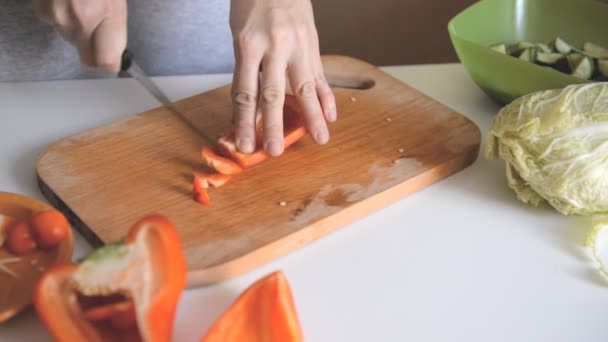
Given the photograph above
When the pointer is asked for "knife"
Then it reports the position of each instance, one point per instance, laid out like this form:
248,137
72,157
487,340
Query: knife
129,66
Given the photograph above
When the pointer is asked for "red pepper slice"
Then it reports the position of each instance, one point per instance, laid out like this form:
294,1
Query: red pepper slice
120,314
293,130
199,191
216,180
202,181
220,164
234,161
148,268
264,312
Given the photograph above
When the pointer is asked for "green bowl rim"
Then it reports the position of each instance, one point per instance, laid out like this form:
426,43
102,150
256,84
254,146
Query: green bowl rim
453,35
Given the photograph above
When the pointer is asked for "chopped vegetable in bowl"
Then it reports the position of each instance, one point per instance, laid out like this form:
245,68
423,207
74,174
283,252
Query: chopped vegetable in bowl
588,63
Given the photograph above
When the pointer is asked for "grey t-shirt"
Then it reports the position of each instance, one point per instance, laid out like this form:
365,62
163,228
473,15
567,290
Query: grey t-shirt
168,37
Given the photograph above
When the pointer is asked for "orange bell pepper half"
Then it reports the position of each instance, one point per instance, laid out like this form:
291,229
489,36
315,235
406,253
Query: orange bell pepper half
293,130
125,291
265,312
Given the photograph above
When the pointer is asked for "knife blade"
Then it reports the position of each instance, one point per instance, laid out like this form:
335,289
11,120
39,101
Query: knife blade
129,66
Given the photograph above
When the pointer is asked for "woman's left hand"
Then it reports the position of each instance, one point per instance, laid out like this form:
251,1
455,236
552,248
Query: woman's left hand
276,42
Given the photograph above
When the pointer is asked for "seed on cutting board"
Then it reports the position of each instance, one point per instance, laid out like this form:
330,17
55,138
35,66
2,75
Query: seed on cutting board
353,99
388,119
282,203
401,150
396,161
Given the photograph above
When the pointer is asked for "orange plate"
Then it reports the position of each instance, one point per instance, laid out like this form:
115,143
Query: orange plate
16,293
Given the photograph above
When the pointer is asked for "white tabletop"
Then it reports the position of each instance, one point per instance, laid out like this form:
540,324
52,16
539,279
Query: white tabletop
462,260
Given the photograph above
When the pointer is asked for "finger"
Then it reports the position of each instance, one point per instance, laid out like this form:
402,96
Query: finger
110,38
63,20
59,16
302,80
324,92
272,98
244,101
326,96
86,17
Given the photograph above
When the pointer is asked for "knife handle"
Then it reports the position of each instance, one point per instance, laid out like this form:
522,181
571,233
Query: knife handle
126,60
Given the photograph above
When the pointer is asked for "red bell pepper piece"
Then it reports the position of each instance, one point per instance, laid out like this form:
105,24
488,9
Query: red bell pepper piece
220,164
199,191
293,130
217,179
234,161
202,181
147,269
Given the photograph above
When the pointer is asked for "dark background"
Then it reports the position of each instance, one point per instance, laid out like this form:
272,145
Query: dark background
388,32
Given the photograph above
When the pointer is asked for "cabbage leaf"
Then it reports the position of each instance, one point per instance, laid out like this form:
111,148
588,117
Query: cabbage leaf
555,145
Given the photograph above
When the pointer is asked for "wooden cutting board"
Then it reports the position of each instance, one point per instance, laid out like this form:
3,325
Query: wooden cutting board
390,140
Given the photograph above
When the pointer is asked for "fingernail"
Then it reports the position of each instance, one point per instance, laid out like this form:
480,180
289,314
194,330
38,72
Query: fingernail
274,147
245,145
322,136
332,114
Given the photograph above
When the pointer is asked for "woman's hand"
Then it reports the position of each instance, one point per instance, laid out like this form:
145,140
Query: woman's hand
98,28
276,41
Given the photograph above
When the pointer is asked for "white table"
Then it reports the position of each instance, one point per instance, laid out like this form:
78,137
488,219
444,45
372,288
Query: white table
462,260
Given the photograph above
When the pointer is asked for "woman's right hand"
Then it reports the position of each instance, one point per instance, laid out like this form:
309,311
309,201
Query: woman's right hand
97,28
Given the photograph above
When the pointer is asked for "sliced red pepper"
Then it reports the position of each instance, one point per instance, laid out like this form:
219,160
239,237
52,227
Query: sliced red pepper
234,161
264,312
199,191
202,181
216,180
147,268
293,130
220,164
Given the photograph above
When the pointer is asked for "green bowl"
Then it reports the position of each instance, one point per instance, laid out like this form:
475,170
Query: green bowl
487,22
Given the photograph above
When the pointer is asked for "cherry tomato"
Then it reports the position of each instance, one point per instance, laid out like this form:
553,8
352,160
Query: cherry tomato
50,227
20,239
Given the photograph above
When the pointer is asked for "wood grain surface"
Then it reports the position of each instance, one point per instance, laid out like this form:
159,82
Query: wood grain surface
389,141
